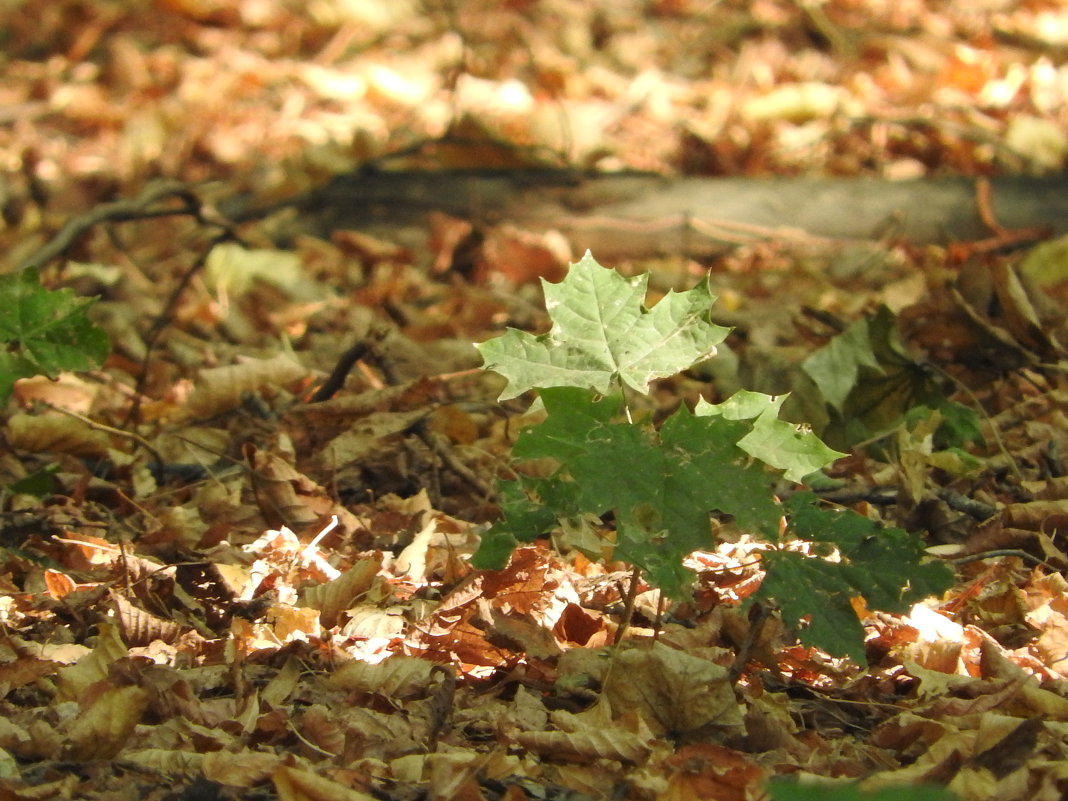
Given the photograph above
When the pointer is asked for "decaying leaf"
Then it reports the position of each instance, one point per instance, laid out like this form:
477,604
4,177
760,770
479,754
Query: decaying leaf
103,727
675,692
341,593
56,433
221,389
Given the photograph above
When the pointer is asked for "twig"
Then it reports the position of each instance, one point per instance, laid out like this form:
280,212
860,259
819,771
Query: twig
336,379
145,206
160,323
978,557
138,208
118,432
628,608
759,614
969,506
877,496
164,317
450,461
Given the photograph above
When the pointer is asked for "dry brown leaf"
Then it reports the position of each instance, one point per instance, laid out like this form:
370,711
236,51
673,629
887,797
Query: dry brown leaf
1038,515
334,597
588,745
295,784
55,433
72,681
12,736
364,437
399,677
58,584
220,389
102,729
374,626
66,392
287,623
242,768
706,770
1004,744
169,762
674,691
140,627
379,735
320,729
282,686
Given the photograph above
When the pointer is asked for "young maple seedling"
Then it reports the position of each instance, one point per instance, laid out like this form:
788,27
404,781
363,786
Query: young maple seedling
661,482
44,332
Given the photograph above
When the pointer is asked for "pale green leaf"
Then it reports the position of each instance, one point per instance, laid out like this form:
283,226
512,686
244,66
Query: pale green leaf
602,335
790,447
836,366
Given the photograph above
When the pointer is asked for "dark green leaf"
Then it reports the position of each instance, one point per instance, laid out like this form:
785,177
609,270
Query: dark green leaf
885,567
39,483
44,331
789,790
815,600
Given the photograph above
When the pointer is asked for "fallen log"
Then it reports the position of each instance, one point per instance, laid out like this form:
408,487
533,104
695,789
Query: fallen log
640,214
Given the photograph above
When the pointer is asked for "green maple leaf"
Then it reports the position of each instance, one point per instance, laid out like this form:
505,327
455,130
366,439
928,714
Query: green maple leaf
44,331
869,380
659,485
672,479
884,566
787,446
837,366
602,335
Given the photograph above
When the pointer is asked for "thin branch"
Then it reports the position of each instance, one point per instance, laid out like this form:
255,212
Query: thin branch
144,206
1001,552
628,608
118,432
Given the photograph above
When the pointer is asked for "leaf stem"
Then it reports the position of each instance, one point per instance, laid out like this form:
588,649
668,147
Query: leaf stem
628,607
623,397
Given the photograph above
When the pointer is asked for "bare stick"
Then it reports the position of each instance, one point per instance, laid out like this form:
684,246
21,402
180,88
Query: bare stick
144,206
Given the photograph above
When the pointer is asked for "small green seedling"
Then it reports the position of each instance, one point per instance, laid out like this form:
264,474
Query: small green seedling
659,483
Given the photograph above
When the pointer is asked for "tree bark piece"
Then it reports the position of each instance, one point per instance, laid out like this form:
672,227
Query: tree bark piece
639,214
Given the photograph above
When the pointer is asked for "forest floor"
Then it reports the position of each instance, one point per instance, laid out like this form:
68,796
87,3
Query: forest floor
182,620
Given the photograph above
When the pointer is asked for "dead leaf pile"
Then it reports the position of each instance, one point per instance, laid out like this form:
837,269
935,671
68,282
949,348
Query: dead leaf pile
234,561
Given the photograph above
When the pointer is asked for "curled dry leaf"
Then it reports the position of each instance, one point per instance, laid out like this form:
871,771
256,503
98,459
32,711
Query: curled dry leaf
101,731
334,597
55,433
400,677
674,691
221,389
